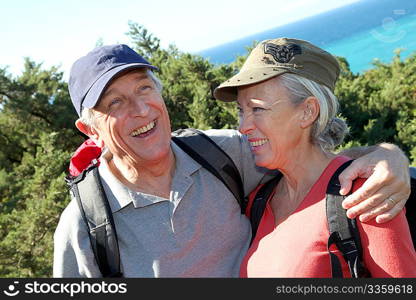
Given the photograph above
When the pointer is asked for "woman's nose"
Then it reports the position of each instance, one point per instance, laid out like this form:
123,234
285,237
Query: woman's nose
245,123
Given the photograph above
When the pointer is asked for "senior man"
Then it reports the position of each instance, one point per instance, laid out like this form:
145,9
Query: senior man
173,217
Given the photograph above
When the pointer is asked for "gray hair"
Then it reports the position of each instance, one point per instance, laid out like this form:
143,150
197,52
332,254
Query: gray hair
328,131
87,114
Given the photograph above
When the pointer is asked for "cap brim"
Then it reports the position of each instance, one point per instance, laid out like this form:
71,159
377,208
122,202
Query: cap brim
227,91
95,92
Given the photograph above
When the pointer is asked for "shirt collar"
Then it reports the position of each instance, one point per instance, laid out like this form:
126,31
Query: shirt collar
119,196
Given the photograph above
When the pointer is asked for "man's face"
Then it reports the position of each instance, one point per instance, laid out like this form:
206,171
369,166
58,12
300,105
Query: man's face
132,119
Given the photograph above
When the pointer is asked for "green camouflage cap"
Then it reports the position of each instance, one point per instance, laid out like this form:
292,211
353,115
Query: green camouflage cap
271,58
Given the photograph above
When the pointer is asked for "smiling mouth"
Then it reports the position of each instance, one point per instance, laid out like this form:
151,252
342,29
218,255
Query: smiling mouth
144,130
258,143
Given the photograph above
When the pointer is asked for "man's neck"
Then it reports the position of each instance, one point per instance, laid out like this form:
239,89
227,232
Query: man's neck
151,178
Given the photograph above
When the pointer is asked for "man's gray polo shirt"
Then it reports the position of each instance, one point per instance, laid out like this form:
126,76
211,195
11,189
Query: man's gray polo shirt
198,232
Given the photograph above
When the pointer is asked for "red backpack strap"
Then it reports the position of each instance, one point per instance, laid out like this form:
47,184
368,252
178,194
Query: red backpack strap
83,156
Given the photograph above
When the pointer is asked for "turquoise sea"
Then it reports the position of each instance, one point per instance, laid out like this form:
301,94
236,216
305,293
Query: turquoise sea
360,32
379,43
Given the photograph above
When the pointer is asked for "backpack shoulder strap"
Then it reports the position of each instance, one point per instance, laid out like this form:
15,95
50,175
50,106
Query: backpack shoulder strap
258,204
343,232
210,156
411,205
95,210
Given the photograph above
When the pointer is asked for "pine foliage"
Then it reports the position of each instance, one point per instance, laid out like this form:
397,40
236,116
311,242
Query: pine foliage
38,136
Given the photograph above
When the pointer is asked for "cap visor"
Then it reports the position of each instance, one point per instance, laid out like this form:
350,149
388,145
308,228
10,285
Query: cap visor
227,91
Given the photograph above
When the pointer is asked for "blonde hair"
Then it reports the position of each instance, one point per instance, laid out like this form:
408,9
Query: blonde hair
328,131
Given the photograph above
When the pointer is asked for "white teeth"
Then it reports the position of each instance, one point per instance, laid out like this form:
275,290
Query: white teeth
259,142
144,128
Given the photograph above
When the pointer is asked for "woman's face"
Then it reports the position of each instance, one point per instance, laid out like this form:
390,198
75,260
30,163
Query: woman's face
272,123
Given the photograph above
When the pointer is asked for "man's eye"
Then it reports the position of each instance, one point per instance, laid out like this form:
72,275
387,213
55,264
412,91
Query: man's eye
114,102
258,109
144,87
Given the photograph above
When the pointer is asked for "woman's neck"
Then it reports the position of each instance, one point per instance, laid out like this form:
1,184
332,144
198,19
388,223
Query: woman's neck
300,172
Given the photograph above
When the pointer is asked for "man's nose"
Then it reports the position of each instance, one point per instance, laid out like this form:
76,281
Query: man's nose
140,107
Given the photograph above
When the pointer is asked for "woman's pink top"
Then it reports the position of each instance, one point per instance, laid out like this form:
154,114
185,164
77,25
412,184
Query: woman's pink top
297,247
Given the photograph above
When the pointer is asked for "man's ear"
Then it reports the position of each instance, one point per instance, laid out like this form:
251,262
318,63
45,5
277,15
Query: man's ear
310,112
90,131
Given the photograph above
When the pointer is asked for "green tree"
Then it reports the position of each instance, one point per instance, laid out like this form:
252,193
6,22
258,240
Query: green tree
380,104
188,81
36,131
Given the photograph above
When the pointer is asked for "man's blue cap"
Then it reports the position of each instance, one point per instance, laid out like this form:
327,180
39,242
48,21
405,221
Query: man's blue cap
91,74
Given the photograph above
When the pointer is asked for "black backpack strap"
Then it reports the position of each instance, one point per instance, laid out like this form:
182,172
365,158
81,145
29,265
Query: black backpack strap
411,205
343,232
259,203
96,212
210,156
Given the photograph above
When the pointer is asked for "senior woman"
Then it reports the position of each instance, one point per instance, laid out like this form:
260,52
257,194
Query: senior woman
288,112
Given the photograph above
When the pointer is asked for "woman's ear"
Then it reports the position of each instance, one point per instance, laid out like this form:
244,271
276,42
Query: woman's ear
310,112
90,131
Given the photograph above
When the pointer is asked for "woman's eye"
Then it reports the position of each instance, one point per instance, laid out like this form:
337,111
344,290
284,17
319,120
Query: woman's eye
258,109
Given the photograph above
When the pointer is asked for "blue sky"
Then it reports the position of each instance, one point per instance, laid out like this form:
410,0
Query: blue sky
58,32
